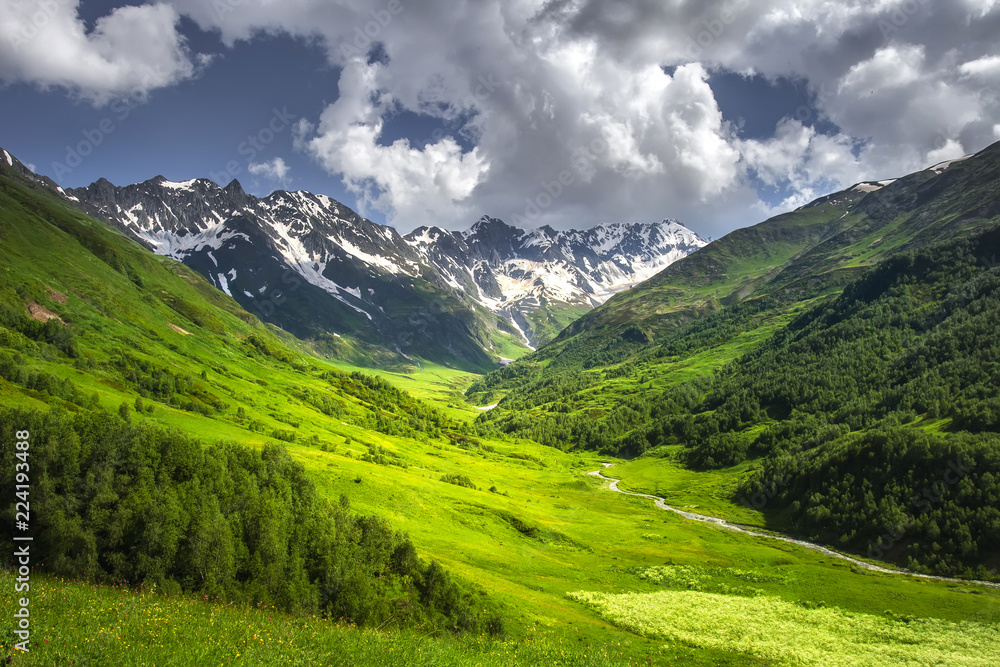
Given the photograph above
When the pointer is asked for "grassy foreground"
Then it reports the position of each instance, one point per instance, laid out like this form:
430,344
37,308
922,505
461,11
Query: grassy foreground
793,634
80,624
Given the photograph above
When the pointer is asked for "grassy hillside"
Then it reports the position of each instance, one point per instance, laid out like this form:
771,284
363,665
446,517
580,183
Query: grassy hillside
793,350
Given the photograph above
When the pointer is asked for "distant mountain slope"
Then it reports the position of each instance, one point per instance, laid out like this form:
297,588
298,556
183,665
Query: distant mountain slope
530,276
807,252
314,267
306,263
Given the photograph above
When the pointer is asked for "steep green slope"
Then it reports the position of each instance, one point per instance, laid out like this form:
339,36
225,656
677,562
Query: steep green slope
765,360
89,319
873,419
812,251
769,270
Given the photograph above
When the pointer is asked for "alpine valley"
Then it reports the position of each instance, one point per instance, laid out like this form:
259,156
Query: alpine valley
266,431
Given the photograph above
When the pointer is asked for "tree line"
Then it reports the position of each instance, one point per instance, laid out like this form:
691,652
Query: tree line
116,501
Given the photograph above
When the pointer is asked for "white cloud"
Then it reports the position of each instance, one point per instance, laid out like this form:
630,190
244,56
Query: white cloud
276,170
542,84
891,67
800,159
129,52
949,151
987,67
405,182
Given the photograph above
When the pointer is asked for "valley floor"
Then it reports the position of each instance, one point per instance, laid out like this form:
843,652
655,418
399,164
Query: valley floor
555,547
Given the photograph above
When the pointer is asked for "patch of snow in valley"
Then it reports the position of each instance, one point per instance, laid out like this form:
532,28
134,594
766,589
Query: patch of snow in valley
517,326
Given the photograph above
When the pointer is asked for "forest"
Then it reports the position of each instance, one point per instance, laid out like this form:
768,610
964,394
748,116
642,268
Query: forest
121,502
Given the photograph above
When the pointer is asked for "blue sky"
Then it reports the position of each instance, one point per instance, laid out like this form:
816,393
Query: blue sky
717,115
191,130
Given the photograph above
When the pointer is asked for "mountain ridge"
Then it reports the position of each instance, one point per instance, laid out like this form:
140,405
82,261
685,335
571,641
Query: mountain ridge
490,292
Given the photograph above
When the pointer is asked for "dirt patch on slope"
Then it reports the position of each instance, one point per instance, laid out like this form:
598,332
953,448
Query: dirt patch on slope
58,297
42,314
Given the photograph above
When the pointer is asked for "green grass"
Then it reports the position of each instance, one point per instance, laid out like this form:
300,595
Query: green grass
791,634
74,623
711,492
441,386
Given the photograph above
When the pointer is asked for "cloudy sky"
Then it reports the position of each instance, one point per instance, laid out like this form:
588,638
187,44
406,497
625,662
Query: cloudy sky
560,112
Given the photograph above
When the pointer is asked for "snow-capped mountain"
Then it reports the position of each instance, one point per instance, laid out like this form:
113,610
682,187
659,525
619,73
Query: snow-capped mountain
304,262
517,273
316,268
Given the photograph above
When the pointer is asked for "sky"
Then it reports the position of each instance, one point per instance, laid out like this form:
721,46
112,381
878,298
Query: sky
569,113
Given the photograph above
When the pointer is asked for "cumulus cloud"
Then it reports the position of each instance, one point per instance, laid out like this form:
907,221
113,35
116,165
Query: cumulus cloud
801,160
399,179
275,170
571,112
131,51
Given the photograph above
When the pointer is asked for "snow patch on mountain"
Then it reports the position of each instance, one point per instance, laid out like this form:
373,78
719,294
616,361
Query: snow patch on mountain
492,265
178,247
511,271
182,185
223,283
383,263
943,166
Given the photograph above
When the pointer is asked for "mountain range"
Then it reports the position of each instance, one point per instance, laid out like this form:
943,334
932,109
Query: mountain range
363,292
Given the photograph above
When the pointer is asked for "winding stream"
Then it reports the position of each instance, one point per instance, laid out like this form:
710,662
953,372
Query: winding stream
722,523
